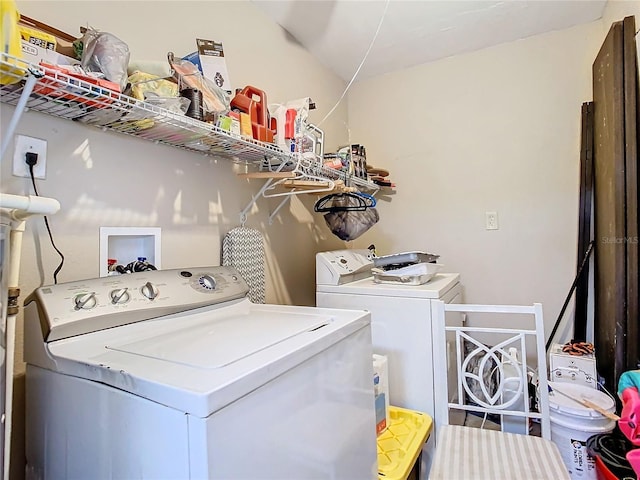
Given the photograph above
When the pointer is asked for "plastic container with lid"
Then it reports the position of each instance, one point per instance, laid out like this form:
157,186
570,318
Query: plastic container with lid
401,443
572,424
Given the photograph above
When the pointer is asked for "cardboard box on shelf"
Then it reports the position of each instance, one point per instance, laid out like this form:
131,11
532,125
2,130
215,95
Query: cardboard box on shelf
37,37
213,64
41,32
34,54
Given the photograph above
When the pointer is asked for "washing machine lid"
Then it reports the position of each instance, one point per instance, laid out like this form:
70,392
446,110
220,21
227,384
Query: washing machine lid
202,360
437,287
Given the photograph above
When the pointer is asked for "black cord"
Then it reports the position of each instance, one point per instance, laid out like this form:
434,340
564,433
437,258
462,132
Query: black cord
566,300
612,448
46,222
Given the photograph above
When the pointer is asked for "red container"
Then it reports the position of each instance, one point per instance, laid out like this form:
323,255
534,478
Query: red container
62,81
602,472
253,101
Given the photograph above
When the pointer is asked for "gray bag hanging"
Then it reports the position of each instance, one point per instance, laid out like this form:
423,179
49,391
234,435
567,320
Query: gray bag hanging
243,248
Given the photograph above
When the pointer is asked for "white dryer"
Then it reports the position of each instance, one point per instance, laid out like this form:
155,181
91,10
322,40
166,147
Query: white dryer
175,374
400,323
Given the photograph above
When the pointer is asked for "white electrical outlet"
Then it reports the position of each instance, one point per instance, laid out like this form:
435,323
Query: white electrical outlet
23,145
491,220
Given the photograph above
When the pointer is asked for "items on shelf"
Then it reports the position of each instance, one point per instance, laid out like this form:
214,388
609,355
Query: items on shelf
176,106
105,54
215,101
144,85
62,42
379,176
252,102
289,121
352,160
209,58
71,75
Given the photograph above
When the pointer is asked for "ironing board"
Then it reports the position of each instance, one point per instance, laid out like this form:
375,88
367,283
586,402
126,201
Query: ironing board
243,248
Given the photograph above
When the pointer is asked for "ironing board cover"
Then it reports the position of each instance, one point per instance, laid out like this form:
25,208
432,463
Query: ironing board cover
243,248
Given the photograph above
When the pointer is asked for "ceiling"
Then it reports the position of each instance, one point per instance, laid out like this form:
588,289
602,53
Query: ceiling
339,32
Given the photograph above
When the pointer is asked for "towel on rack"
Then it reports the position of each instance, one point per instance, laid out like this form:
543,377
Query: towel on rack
243,248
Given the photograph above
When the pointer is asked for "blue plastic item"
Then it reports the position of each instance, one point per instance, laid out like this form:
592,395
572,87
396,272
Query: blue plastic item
195,59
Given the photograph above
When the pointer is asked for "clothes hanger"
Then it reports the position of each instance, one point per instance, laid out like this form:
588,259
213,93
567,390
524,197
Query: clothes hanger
368,197
325,184
362,202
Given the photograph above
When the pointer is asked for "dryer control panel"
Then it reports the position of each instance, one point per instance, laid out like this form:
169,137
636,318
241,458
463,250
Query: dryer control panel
85,306
342,266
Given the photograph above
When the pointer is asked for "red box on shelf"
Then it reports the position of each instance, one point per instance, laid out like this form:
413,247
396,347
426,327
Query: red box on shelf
65,81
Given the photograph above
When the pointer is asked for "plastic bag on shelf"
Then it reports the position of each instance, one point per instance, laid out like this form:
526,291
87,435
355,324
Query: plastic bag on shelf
105,53
145,85
350,224
178,105
215,99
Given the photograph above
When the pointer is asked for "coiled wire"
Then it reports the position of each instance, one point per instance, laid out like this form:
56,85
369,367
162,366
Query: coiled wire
612,448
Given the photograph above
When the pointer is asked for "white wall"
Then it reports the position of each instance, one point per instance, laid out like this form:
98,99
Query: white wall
103,179
494,130
616,10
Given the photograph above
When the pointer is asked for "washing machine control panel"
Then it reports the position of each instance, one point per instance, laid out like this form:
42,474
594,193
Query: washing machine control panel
85,306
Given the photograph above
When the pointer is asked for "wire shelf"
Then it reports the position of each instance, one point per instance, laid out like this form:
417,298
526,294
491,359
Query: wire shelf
62,95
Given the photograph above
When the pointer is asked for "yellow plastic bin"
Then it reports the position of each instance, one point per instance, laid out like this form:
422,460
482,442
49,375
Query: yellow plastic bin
399,446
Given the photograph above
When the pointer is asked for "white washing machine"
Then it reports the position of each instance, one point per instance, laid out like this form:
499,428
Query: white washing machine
400,324
175,374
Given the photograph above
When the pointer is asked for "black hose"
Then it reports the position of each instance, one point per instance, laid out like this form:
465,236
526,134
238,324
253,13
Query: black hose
612,449
566,301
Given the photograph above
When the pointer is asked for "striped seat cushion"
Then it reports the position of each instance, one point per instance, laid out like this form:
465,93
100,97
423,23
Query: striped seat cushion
465,453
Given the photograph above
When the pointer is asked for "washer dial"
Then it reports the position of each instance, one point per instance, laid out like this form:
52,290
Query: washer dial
149,290
85,301
119,296
207,282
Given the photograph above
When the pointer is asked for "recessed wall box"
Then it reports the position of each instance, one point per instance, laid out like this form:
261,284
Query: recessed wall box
127,244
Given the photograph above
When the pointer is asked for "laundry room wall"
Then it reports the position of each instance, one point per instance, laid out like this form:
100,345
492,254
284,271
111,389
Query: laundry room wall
494,130
616,10
105,179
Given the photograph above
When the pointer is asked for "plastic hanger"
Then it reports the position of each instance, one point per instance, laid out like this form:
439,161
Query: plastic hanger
369,197
325,184
362,202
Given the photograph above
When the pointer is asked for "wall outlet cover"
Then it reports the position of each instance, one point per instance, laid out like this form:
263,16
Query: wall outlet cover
23,145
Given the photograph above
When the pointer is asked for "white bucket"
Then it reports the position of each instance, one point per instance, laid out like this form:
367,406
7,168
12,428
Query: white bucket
572,424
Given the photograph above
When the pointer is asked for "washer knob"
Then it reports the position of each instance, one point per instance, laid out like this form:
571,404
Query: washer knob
85,301
207,282
119,295
149,290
